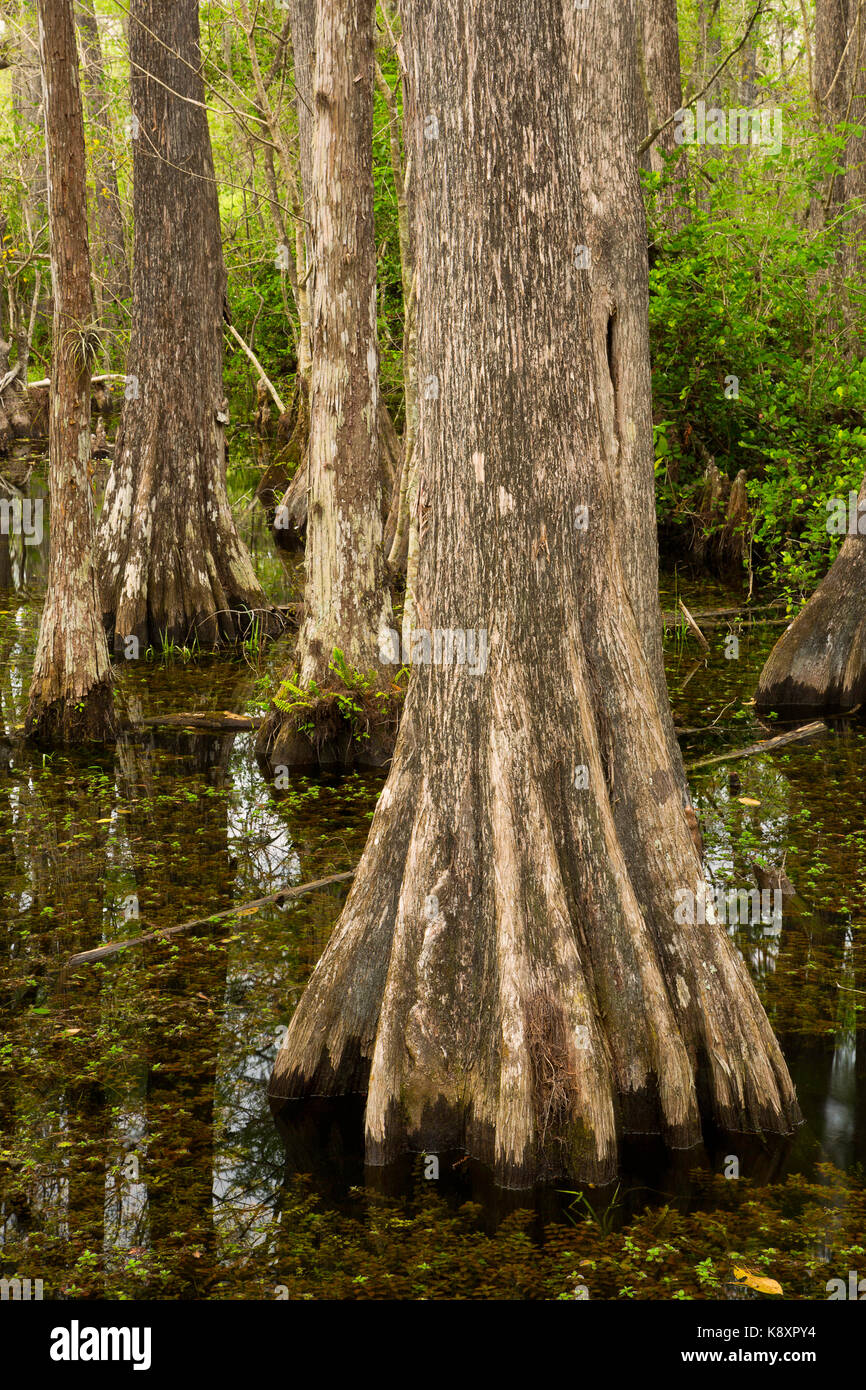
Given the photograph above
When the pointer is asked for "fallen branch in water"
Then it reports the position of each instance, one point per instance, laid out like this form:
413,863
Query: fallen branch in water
806,731
216,721
244,910
713,615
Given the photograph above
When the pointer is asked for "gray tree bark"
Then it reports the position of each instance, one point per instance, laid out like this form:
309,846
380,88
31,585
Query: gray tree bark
662,74
111,270
171,563
507,976
346,603
70,692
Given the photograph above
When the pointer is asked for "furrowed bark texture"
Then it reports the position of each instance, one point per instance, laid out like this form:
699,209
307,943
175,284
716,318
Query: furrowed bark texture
171,562
819,663
831,98
346,603
855,152
606,91
70,692
662,74
507,975
303,18
112,270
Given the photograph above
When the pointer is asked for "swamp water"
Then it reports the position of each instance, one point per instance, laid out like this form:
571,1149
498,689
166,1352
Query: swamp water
138,1155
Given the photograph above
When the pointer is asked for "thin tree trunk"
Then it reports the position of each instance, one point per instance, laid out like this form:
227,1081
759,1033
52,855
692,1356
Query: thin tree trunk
831,33
508,976
346,603
70,693
710,31
303,20
749,69
855,151
111,268
663,82
171,563
27,105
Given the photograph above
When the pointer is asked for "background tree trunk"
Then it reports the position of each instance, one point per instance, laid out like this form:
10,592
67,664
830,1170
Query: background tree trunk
70,692
662,78
171,562
709,49
303,16
111,268
507,976
855,150
346,603
819,662
831,33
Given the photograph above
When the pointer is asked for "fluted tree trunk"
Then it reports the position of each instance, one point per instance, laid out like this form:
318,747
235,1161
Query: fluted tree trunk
508,976
171,563
346,604
70,693
111,270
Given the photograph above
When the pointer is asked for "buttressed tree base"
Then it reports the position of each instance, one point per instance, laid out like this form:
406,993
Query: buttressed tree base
508,977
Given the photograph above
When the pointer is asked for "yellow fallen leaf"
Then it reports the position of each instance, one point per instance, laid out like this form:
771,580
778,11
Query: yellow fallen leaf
748,801
760,1282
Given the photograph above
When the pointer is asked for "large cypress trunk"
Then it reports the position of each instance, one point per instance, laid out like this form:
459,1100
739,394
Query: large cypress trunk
171,563
346,604
70,692
508,976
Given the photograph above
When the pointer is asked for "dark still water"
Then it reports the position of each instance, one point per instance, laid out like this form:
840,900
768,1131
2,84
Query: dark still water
138,1155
